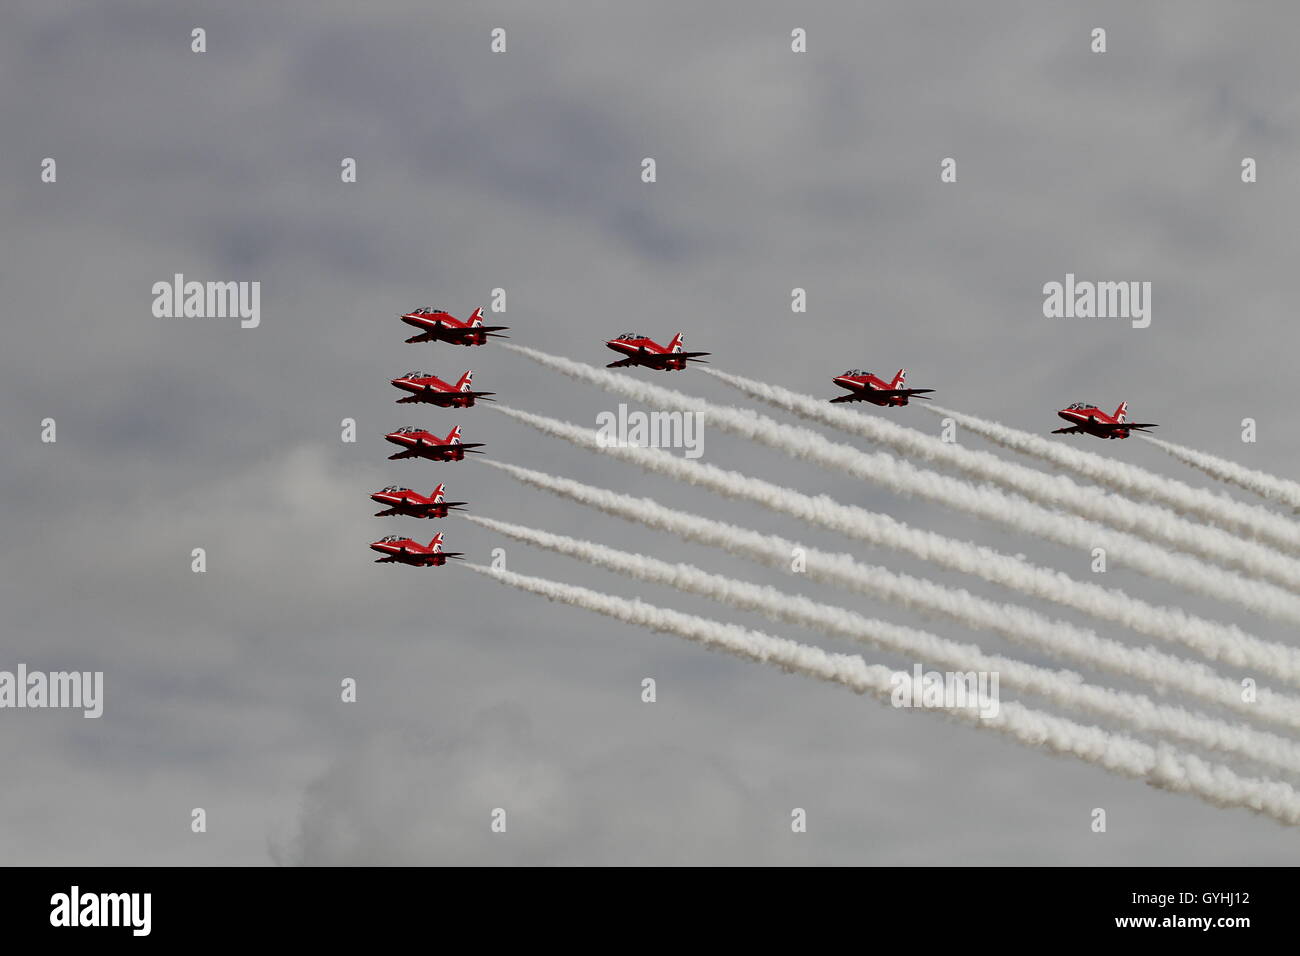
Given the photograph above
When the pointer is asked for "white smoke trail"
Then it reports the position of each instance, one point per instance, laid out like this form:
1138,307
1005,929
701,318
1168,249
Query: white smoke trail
962,556
1269,487
1063,688
1163,767
1256,521
985,502
1145,520
1216,641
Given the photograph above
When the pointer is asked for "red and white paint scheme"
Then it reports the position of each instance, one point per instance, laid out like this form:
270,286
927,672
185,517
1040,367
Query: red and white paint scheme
402,550
419,443
435,325
428,389
412,504
866,387
639,350
1087,418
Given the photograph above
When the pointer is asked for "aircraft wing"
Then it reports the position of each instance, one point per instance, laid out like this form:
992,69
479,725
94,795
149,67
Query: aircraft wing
470,447
901,392
1115,426
1072,430
872,394
454,335
665,358
432,396
622,363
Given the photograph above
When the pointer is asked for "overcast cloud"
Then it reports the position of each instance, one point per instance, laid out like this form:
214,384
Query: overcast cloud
522,171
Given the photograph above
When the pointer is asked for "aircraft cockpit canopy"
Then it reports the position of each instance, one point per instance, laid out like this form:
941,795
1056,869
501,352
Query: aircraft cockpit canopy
629,336
854,373
1083,405
392,538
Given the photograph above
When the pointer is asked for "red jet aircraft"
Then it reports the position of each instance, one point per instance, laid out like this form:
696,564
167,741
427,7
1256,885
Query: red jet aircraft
428,389
412,504
439,326
640,350
419,443
405,551
1087,418
865,387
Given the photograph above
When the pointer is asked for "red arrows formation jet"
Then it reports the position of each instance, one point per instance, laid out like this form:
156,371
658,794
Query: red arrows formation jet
865,387
403,550
439,326
428,389
639,350
1087,418
404,501
419,443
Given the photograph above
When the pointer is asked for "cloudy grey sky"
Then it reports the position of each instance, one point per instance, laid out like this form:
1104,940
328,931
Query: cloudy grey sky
521,170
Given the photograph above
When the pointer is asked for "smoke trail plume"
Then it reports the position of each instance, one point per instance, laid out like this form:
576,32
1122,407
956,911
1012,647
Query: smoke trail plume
984,502
1163,767
1258,522
867,526
1213,640
1144,520
986,563
1063,688
1270,487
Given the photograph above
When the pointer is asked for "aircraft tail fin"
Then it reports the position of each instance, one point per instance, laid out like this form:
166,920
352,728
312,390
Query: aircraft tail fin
437,495
466,382
676,344
899,379
476,318
1121,413
436,544
453,436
